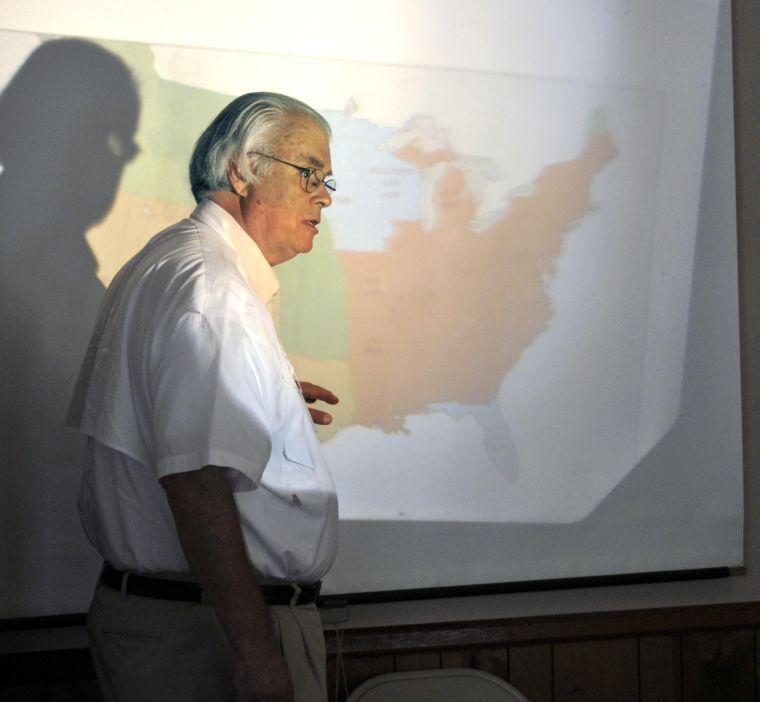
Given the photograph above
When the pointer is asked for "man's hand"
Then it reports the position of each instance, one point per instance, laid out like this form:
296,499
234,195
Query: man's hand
311,393
263,679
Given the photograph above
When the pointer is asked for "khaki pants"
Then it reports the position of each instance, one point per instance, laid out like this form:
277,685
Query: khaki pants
146,649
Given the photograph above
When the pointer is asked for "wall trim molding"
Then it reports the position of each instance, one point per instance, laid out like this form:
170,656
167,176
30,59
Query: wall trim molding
544,629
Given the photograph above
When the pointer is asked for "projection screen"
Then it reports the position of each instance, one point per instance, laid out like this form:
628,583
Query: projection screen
524,294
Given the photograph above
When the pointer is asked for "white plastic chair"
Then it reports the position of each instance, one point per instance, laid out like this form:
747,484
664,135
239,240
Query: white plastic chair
443,685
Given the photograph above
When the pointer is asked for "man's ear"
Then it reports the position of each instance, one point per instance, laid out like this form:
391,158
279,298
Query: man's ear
237,182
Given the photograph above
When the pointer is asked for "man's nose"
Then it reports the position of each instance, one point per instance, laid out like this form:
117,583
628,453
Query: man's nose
324,196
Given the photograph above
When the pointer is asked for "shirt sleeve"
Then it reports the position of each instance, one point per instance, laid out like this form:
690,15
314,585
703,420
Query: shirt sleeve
210,384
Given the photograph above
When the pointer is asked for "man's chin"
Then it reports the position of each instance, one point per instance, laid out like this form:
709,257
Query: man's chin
301,249
307,245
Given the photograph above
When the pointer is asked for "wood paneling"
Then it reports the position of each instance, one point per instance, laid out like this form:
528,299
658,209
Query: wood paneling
361,668
596,671
660,668
673,664
458,658
719,666
417,661
490,660
530,671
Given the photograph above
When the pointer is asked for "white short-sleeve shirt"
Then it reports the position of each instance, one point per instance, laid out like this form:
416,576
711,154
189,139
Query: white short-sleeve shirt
185,369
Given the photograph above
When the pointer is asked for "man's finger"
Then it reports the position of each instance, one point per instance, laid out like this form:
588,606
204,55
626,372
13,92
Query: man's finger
312,392
320,417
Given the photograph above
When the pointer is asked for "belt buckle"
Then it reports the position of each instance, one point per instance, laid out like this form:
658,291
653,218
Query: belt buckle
310,592
305,594
296,594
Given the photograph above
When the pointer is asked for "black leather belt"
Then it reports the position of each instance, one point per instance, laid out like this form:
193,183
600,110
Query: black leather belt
164,589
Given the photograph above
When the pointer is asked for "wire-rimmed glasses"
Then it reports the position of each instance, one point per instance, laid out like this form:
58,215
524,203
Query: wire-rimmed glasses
311,178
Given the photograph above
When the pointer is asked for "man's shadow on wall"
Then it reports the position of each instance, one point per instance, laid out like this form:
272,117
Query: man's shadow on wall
67,122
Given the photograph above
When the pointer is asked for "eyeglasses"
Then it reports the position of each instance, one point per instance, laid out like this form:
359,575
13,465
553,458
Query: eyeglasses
311,178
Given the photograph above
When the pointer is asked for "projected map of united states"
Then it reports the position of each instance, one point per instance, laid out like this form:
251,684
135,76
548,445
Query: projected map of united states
442,313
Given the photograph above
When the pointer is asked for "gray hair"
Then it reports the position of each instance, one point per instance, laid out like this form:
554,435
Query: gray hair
252,122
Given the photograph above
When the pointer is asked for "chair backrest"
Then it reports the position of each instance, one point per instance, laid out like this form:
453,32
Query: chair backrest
442,685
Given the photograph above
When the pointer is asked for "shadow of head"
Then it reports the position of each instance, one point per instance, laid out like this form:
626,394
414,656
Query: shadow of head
67,123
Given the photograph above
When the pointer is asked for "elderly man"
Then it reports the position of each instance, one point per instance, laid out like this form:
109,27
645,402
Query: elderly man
205,489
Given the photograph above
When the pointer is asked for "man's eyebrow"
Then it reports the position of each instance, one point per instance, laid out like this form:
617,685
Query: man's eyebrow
313,161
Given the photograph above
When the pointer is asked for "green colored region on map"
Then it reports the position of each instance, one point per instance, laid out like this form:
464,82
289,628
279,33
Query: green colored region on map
314,293
172,117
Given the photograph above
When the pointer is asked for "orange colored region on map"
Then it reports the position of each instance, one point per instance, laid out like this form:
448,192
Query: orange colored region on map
442,315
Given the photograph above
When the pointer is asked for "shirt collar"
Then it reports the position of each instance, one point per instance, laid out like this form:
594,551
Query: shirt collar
261,277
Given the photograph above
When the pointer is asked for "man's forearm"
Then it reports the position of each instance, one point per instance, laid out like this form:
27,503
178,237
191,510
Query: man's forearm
207,522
